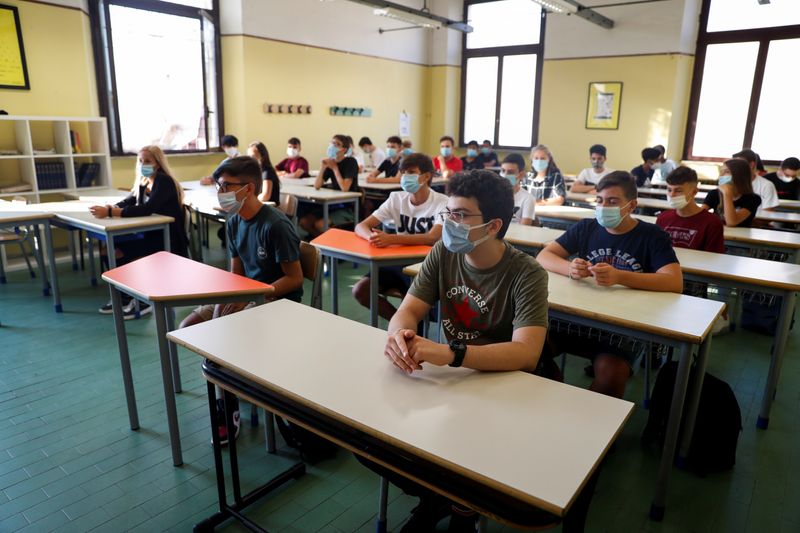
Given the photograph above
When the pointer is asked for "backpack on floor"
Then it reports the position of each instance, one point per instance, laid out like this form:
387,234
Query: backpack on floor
718,424
761,316
311,446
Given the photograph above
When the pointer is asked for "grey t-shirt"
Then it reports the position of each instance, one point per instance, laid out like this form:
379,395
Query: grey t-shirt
483,306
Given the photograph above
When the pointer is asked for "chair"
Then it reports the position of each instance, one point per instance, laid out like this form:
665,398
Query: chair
18,235
289,206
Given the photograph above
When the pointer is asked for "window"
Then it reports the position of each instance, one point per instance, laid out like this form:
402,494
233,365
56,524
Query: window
745,81
501,72
157,73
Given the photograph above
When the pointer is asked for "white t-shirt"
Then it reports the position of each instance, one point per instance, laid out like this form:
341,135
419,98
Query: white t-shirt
660,174
374,159
410,219
766,190
589,176
524,206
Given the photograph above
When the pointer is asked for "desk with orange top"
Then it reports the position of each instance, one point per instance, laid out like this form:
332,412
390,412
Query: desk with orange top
166,281
340,244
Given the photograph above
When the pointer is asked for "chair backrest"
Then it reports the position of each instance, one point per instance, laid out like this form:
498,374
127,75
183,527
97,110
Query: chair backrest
311,263
288,204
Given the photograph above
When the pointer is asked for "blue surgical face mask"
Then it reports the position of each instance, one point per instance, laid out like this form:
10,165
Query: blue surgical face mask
511,177
391,153
472,153
456,237
540,165
596,163
407,152
147,170
727,178
332,151
486,151
609,217
410,183
229,203
446,151
349,152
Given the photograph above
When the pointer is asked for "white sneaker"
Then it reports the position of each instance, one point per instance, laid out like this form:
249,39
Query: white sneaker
129,310
721,326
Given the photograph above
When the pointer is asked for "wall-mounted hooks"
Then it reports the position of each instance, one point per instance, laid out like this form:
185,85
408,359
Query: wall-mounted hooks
341,111
287,109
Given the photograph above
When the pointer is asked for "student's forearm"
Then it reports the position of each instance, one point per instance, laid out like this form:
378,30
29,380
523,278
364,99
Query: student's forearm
556,200
363,230
502,356
390,179
285,285
553,263
319,180
402,319
659,282
582,187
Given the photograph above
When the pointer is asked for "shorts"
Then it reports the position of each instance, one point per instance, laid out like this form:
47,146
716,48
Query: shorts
587,342
206,312
392,278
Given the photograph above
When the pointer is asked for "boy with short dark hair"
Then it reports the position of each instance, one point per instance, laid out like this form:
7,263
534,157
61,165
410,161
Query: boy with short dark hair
644,172
614,248
589,177
373,156
785,180
513,170
294,165
761,187
473,160
390,166
489,157
662,167
688,224
446,163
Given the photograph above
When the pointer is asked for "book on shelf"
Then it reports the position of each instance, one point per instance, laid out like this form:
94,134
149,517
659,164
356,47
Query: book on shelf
51,176
16,187
75,140
86,174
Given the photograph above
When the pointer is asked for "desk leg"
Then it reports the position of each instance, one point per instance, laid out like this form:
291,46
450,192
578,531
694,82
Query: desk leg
90,252
334,269
40,259
355,211
269,431
71,241
173,351
124,358
165,230
51,257
383,502
325,216
694,400
166,377
670,442
111,251
373,294
784,322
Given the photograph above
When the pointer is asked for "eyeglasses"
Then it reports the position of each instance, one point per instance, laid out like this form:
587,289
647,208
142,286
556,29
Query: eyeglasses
456,216
223,187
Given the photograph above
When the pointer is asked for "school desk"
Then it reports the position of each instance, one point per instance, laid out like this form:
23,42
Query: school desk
677,320
340,244
12,216
166,281
307,182
324,197
421,425
661,192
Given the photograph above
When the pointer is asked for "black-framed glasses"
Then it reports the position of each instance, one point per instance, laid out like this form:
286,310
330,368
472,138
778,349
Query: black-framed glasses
456,216
223,187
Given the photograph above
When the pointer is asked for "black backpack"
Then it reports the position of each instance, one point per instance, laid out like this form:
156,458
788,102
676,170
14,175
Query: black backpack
311,446
716,430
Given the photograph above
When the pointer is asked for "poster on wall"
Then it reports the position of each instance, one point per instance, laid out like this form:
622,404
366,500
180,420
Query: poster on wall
602,110
405,125
13,68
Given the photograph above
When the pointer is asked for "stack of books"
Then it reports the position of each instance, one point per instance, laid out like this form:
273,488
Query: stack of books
86,174
51,175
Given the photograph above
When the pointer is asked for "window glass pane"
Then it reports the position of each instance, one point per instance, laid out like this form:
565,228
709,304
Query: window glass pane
210,63
724,99
517,100
745,14
777,134
480,98
159,75
202,4
504,23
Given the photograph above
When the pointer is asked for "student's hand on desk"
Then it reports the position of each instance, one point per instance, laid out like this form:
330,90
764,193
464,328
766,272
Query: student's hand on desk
207,180
423,350
605,274
397,350
380,239
579,268
99,211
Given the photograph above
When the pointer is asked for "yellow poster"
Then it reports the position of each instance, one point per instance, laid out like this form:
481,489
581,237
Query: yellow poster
13,71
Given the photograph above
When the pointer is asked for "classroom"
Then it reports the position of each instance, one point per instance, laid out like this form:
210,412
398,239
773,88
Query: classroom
399,265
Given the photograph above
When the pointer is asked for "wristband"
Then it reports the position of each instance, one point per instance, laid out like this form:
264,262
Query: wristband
109,211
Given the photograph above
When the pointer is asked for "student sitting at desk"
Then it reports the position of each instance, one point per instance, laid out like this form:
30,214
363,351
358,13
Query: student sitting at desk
493,303
263,245
413,212
271,186
390,166
489,157
230,145
615,249
155,191
342,173
589,177
734,201
662,167
446,163
294,165
513,169
761,187
688,224
547,186
473,160
408,148
373,156
644,172
785,179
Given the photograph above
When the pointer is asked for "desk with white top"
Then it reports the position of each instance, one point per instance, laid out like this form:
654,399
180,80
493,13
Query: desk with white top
324,197
421,425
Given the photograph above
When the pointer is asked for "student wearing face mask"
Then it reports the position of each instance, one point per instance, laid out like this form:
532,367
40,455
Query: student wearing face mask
734,200
489,157
390,166
662,167
474,159
547,185
644,173
589,177
373,156
762,187
271,186
785,180
337,171
294,165
155,191
408,148
229,145
413,212
615,249
513,169
263,246
688,224
446,163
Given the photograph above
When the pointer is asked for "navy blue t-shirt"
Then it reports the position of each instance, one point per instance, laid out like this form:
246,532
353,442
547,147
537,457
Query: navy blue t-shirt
641,176
645,248
263,243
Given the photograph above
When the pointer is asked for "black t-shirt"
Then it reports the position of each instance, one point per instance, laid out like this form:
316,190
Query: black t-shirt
490,160
786,191
270,175
645,248
641,176
551,187
263,243
348,168
746,201
389,168
475,164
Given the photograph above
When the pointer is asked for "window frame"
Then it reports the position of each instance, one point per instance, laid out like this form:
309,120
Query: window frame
105,74
764,36
500,52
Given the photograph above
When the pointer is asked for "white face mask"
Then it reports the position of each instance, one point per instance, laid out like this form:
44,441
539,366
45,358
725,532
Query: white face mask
292,152
231,151
784,178
677,202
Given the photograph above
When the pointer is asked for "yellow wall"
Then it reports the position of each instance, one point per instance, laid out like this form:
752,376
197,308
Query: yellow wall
445,105
654,100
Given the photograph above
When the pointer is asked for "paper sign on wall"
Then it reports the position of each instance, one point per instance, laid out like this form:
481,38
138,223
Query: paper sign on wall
405,125
13,70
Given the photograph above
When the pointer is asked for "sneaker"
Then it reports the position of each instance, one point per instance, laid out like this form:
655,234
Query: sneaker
462,521
129,311
426,515
721,326
108,309
222,429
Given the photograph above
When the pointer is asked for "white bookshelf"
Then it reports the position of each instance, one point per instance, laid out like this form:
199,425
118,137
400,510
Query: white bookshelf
47,140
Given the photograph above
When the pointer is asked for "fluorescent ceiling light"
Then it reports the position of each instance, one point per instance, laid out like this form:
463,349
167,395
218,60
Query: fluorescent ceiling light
410,18
557,6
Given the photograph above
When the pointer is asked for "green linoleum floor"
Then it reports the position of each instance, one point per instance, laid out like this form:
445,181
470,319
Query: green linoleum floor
69,462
